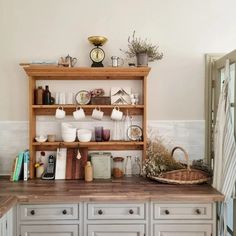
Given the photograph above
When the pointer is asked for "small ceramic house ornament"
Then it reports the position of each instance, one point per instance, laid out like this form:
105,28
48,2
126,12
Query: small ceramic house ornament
120,96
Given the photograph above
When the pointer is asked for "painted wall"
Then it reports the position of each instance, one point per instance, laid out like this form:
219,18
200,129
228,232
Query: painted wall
185,30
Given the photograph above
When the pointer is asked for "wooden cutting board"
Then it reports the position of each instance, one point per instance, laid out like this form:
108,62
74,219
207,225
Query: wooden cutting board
74,166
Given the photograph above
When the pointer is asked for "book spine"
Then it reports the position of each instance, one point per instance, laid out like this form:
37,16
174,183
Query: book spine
14,174
13,170
19,165
26,165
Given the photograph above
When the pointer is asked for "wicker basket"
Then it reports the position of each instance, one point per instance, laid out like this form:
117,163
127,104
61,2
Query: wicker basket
182,176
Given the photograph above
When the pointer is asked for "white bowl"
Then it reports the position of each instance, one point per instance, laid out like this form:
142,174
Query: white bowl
41,138
84,135
67,138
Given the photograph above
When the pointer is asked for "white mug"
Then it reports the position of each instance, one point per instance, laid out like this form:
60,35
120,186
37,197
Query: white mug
97,114
79,113
116,114
60,113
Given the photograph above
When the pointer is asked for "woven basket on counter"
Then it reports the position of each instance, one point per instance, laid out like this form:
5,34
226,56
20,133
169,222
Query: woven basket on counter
182,176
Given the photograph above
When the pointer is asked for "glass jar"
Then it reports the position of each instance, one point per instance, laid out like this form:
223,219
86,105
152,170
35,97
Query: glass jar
118,168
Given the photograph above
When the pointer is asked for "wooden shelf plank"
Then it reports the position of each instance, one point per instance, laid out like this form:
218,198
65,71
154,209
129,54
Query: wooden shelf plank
50,109
112,145
85,73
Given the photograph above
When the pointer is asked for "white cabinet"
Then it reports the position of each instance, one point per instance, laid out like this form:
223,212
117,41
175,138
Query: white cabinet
49,212
49,230
7,224
182,230
118,211
116,230
182,211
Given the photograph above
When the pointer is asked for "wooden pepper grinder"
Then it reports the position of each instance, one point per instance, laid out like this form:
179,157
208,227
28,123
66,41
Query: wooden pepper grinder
88,172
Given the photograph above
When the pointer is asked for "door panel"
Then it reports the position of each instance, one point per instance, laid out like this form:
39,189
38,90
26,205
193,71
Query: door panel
182,230
49,230
115,230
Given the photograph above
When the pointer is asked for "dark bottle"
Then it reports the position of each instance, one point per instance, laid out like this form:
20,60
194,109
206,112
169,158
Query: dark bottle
46,96
39,95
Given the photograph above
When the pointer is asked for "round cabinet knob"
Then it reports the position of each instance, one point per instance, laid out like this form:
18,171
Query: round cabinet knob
167,212
131,212
198,211
32,212
64,212
100,212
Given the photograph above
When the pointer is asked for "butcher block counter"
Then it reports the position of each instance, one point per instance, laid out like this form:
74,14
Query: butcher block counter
105,190
131,206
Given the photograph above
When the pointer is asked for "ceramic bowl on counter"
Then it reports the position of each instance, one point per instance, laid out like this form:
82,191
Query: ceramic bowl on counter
84,135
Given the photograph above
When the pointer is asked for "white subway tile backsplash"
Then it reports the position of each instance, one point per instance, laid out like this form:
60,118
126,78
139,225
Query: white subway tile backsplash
14,136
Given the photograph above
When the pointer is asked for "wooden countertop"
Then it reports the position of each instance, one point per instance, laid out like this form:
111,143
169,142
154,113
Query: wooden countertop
139,189
6,203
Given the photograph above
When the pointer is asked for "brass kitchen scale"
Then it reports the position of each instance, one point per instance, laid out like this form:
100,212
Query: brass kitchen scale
97,54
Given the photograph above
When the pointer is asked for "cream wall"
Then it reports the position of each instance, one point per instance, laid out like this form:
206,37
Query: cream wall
185,29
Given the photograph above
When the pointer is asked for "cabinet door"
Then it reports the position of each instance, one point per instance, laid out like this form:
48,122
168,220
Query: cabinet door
182,230
49,230
115,230
4,225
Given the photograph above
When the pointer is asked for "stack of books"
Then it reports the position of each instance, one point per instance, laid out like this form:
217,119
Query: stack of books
20,167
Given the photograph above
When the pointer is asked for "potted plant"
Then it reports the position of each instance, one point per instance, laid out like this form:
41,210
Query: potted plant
144,50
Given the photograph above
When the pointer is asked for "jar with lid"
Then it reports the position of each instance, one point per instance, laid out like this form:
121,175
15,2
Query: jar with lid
118,168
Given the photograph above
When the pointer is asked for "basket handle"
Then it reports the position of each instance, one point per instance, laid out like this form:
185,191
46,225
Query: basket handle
185,156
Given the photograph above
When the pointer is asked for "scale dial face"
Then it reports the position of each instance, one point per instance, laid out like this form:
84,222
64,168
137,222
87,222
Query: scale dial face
97,54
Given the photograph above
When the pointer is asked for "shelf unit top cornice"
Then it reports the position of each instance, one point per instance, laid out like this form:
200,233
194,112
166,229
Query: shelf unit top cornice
86,72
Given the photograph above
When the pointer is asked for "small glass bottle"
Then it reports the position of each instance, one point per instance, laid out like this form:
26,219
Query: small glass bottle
88,172
136,168
39,95
47,96
128,167
118,169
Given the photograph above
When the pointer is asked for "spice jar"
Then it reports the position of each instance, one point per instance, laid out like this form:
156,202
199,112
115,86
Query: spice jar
118,169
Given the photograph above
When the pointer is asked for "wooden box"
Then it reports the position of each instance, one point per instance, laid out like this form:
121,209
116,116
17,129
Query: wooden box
101,100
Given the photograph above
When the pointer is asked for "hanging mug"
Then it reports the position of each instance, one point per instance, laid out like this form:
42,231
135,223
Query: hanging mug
116,61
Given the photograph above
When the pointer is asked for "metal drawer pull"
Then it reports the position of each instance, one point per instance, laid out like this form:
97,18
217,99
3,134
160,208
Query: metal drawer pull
167,212
100,212
64,212
198,211
131,212
32,212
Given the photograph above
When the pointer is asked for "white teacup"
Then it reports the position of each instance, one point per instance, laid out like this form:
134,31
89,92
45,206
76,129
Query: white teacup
79,114
97,114
116,114
60,113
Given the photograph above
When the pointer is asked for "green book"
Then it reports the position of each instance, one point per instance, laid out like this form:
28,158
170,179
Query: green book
19,166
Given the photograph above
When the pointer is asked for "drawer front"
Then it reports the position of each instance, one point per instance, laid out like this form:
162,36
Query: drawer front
116,211
116,230
182,211
49,230
49,212
183,230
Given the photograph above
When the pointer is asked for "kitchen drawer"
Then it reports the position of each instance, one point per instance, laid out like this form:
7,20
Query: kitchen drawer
46,230
182,211
117,211
49,212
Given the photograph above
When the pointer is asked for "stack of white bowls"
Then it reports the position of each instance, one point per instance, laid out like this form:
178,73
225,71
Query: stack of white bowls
68,132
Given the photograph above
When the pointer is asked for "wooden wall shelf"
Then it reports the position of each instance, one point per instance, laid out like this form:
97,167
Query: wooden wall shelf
112,145
107,109
41,72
